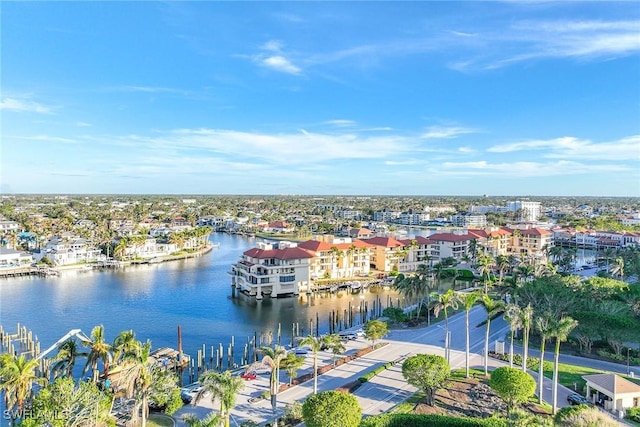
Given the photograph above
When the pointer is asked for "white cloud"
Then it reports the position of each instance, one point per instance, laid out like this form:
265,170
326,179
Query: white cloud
24,105
624,149
302,147
83,124
272,57
441,132
341,123
280,63
526,169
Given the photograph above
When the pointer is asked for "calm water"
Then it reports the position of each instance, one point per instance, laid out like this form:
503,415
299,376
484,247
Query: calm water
154,299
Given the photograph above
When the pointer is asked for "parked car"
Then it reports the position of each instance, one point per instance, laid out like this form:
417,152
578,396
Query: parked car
262,370
347,336
187,393
300,351
248,376
578,399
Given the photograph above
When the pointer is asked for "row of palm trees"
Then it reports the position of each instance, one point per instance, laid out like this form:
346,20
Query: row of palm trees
136,370
547,322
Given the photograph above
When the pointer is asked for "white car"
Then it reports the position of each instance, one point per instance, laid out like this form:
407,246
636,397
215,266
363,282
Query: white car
187,393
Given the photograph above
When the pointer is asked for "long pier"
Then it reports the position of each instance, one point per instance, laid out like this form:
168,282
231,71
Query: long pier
28,271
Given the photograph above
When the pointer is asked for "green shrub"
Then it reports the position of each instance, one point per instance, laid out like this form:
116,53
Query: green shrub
634,414
174,403
416,420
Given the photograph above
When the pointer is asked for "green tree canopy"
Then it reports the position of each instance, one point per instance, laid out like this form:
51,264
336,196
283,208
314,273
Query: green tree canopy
374,330
331,409
428,372
513,385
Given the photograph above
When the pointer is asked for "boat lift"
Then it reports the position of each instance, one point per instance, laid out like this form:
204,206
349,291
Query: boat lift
72,333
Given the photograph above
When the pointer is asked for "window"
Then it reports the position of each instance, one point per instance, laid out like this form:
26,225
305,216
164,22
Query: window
286,279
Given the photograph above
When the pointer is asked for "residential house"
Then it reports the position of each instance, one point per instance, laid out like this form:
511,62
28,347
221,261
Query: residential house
69,250
10,259
279,227
272,269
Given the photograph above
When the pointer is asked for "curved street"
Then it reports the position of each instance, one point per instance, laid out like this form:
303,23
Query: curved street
389,388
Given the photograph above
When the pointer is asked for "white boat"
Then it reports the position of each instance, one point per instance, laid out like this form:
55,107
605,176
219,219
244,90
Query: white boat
356,285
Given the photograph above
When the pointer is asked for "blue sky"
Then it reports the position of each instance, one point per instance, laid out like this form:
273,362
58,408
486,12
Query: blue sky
415,98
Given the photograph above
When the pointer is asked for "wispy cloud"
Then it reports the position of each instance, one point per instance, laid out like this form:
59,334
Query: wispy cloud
273,57
341,123
624,149
443,132
83,124
304,147
44,138
531,40
526,169
24,106
152,89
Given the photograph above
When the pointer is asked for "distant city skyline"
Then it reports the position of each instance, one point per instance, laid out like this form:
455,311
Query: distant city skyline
372,98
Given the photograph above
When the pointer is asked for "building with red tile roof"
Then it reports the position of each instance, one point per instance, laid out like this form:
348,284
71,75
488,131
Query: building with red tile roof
272,269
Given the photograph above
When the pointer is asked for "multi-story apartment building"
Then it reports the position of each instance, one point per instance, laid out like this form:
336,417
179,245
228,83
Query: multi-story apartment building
495,241
450,245
469,220
385,215
335,258
529,211
412,218
530,242
273,270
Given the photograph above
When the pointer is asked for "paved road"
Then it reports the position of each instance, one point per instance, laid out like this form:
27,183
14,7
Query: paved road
388,389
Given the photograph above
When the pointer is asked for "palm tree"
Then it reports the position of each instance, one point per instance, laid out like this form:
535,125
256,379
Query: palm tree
17,376
526,319
493,308
485,262
124,344
99,349
315,343
468,300
513,315
291,364
272,358
65,360
137,377
560,330
444,302
335,344
544,326
223,386
407,286
617,267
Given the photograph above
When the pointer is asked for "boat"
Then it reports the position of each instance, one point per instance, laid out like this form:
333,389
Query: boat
356,285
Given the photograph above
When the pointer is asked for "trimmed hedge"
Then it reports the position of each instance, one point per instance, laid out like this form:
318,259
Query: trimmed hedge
368,376
416,420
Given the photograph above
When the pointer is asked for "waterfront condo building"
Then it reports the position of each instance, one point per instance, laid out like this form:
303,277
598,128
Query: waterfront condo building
272,269
336,258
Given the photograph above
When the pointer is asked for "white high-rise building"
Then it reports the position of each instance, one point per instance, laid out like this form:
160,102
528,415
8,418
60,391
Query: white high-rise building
530,211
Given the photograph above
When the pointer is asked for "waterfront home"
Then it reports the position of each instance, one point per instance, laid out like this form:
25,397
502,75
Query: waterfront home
67,250
386,253
272,269
279,227
10,258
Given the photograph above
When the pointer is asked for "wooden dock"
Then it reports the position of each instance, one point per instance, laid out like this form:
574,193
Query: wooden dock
28,271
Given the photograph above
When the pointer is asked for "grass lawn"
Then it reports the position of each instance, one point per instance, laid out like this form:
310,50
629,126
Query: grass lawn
157,420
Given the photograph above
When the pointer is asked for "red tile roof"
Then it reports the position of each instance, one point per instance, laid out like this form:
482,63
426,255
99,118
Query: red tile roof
283,254
450,237
315,246
387,242
421,241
